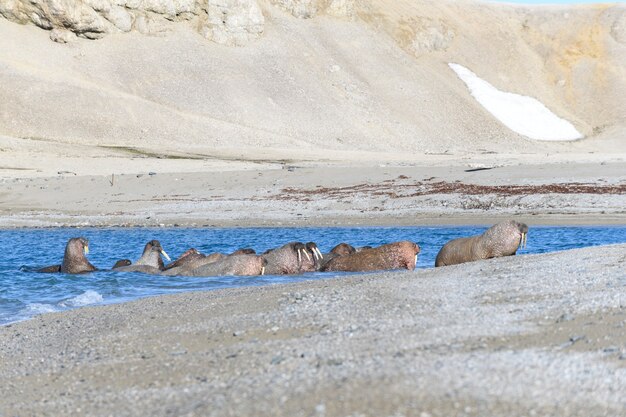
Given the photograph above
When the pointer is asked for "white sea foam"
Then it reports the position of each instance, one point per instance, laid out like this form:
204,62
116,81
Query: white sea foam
37,308
84,299
522,114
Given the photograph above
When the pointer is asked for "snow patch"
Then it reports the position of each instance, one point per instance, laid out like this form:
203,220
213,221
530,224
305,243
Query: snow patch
86,298
522,114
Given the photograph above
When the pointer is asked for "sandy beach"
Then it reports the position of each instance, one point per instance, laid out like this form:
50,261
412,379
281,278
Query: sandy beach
330,195
527,335
283,113
328,114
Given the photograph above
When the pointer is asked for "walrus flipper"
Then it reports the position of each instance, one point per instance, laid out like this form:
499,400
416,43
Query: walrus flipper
45,270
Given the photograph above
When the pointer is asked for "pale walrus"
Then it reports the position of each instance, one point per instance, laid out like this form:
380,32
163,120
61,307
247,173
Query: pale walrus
74,260
292,258
502,239
150,261
397,255
229,265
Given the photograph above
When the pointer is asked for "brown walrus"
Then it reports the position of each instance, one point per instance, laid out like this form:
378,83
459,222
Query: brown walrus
311,258
292,258
343,249
194,262
150,261
397,255
229,265
244,251
74,260
187,257
121,263
502,239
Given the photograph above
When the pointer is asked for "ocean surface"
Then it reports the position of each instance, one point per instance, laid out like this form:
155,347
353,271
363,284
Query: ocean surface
25,294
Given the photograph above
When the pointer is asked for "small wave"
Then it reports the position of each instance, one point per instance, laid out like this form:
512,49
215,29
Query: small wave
38,308
84,299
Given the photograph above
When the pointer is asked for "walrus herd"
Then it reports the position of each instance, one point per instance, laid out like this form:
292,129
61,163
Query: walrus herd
502,239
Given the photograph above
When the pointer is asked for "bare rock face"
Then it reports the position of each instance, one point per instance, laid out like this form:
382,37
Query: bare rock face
306,9
61,36
233,22
431,36
303,9
228,22
341,8
77,16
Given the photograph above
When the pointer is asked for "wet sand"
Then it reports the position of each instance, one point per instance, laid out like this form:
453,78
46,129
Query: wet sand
527,335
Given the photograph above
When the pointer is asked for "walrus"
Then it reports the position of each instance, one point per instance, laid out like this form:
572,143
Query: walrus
188,256
74,260
122,262
230,265
343,249
150,261
292,258
397,255
244,251
194,262
313,262
502,239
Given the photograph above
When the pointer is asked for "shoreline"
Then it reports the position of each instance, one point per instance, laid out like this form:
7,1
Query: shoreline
444,340
323,195
452,221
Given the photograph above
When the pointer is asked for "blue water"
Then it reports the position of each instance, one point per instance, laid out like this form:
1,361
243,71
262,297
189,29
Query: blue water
24,294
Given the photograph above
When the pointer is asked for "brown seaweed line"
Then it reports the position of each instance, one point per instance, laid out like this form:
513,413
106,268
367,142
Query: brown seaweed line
443,187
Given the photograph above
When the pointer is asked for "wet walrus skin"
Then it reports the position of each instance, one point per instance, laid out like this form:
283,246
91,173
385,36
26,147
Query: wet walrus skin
74,261
292,258
187,257
230,265
397,255
502,239
194,262
150,261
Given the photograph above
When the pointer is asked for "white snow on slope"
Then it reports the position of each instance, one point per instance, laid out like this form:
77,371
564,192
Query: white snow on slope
524,115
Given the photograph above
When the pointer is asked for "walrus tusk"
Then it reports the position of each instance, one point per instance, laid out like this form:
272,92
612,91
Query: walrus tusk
416,260
523,242
86,249
262,270
306,254
166,255
299,258
319,253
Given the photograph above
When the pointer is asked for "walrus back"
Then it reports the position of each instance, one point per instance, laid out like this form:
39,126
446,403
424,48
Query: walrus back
457,251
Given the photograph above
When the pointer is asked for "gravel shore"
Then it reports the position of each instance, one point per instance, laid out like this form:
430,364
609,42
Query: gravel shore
527,335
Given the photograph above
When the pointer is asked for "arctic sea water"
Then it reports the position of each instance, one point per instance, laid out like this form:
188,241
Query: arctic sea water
25,294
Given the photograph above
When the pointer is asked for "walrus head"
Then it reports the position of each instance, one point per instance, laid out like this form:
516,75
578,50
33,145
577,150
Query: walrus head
300,249
312,247
74,260
244,251
155,246
121,263
152,255
523,229
188,256
343,249
77,245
